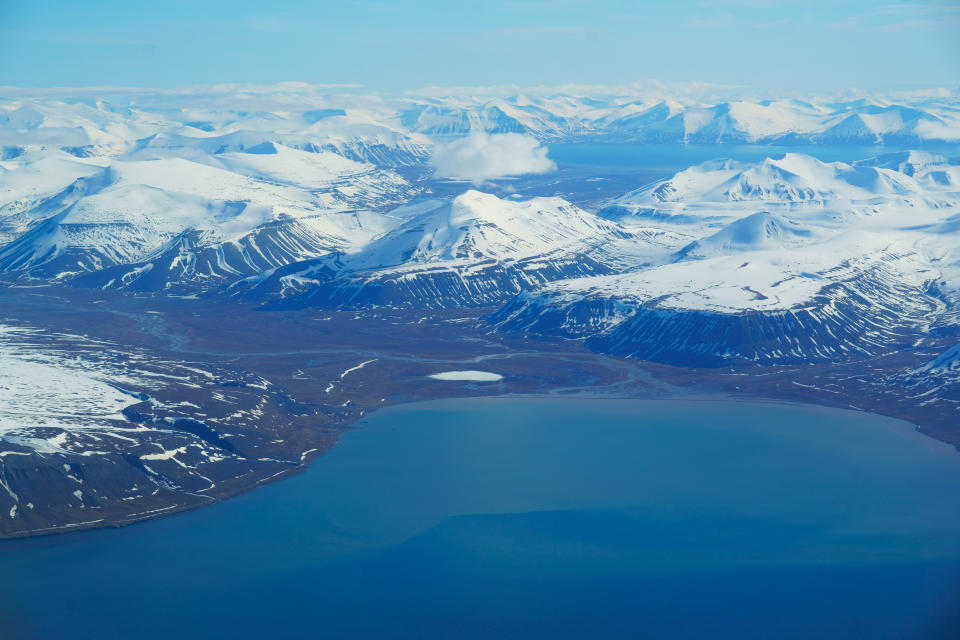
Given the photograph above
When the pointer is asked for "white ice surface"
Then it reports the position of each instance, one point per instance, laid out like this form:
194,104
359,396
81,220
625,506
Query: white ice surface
467,375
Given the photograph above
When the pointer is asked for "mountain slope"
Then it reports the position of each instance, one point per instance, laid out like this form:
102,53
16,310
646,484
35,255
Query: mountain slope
859,308
841,262
756,232
129,211
783,182
476,249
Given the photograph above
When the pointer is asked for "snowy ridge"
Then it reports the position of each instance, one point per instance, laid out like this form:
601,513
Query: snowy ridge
125,213
476,249
785,182
759,231
948,361
841,261
194,260
647,119
395,131
477,226
858,309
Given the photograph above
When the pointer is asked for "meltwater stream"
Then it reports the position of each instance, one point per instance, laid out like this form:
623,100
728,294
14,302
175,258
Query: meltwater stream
524,518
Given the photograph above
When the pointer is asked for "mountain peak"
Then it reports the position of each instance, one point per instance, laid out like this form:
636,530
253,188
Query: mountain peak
755,232
480,225
788,179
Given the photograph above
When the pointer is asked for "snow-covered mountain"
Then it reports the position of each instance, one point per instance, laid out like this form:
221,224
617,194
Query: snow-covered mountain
200,260
475,249
759,231
643,118
672,121
302,195
478,226
397,130
931,170
796,260
711,189
234,214
765,311
33,177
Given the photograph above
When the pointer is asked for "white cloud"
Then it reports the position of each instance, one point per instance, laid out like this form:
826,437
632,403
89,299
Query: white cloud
483,156
937,131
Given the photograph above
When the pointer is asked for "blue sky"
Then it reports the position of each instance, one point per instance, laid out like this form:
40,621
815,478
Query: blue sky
807,45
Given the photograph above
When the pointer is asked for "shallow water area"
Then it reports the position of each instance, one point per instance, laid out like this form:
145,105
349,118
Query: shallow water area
523,517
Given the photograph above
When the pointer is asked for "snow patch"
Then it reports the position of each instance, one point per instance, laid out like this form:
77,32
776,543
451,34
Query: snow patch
468,375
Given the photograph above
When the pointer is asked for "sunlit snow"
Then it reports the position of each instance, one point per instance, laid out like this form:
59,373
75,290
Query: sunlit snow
42,388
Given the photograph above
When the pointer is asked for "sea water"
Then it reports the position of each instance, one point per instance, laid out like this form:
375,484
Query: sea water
551,518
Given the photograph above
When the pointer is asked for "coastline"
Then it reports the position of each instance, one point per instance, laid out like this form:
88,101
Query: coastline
585,394
306,415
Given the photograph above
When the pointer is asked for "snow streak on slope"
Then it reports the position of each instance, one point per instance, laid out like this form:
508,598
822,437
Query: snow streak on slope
948,361
938,378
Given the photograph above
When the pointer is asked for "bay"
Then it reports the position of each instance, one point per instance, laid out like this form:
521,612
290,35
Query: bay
539,517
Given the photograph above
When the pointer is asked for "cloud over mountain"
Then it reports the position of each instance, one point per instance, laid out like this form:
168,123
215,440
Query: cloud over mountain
481,156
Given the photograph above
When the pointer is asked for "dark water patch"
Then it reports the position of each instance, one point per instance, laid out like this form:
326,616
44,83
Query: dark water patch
675,157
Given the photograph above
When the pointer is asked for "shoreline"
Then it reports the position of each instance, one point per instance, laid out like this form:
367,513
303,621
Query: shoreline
306,416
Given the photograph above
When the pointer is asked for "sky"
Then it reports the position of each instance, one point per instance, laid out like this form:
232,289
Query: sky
767,45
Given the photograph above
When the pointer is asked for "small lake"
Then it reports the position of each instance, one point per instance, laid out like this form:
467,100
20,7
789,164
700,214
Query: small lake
539,518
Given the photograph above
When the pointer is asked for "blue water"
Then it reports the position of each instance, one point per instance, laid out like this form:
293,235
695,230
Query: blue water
552,518
590,174
671,158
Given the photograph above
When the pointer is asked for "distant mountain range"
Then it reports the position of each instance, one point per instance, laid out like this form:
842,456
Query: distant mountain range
398,129
788,259
672,122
